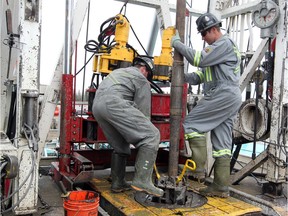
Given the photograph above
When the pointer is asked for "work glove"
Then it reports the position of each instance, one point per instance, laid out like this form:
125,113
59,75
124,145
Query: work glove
176,37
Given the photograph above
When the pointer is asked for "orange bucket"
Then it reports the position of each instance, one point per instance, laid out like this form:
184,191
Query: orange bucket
81,203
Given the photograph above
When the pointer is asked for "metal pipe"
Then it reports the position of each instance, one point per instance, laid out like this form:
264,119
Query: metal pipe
176,94
66,93
30,104
68,37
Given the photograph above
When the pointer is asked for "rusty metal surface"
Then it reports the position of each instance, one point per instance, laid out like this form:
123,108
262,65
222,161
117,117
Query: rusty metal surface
65,124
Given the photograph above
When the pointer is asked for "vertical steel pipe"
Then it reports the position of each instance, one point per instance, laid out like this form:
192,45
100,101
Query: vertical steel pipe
68,37
65,122
66,93
176,94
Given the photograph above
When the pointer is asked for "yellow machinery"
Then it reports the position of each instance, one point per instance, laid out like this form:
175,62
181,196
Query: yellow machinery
117,55
163,63
110,57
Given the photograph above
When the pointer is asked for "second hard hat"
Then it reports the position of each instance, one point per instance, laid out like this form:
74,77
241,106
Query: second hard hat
206,21
147,62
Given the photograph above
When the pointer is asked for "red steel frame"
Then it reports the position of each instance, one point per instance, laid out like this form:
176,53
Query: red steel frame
72,162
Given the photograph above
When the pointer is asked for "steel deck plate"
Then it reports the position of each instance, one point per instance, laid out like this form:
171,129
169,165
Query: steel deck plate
125,204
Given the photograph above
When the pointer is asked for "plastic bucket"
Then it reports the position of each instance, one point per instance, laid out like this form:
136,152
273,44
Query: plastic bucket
81,203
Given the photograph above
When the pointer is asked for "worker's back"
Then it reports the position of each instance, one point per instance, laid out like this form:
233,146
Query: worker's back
129,84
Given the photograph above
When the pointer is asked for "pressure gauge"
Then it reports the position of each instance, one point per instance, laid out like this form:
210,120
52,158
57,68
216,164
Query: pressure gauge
266,14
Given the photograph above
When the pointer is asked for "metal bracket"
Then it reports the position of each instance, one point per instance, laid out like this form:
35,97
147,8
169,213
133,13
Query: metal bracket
249,168
32,10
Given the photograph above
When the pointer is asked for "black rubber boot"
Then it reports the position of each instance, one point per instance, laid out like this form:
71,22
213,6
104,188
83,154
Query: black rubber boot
118,167
199,156
143,172
220,185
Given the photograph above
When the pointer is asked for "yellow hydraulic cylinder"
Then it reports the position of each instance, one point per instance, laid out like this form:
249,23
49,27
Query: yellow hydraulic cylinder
122,31
163,63
107,62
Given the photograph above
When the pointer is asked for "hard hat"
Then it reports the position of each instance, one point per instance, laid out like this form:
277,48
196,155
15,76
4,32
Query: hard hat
206,21
148,63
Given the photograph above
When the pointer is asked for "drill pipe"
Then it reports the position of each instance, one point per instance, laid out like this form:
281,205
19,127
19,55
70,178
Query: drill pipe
176,94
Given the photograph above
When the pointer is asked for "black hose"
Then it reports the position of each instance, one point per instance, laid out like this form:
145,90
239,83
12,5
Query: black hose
137,37
156,87
124,6
11,127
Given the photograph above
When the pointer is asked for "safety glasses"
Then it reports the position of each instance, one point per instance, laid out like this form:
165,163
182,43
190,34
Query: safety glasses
204,33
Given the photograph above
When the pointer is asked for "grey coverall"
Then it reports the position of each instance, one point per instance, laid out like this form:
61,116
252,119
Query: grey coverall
122,108
216,111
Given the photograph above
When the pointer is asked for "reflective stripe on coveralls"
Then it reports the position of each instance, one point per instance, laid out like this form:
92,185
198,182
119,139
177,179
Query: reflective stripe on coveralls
221,153
201,75
208,74
193,135
197,58
216,111
237,69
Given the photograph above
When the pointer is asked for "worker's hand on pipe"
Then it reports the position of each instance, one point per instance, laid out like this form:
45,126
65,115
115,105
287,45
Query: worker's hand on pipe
176,37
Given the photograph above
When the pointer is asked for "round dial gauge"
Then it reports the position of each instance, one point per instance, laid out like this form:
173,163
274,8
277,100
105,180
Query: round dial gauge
266,14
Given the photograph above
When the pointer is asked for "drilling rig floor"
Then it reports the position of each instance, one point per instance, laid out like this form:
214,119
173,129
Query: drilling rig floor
126,203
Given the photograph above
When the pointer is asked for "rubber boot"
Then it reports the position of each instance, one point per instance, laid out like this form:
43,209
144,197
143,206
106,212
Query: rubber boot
220,185
118,168
199,156
143,172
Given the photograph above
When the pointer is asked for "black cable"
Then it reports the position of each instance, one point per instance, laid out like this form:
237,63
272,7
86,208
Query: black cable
107,32
104,41
106,21
45,205
90,147
134,50
11,126
91,46
137,37
92,84
256,114
85,57
30,174
190,5
84,65
9,59
156,87
124,6
264,141
254,175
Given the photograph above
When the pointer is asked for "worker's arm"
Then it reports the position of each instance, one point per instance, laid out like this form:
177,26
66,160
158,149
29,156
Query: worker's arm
194,78
142,96
210,55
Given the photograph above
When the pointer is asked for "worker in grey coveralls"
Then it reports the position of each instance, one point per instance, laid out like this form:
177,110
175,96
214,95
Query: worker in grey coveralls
219,70
122,107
